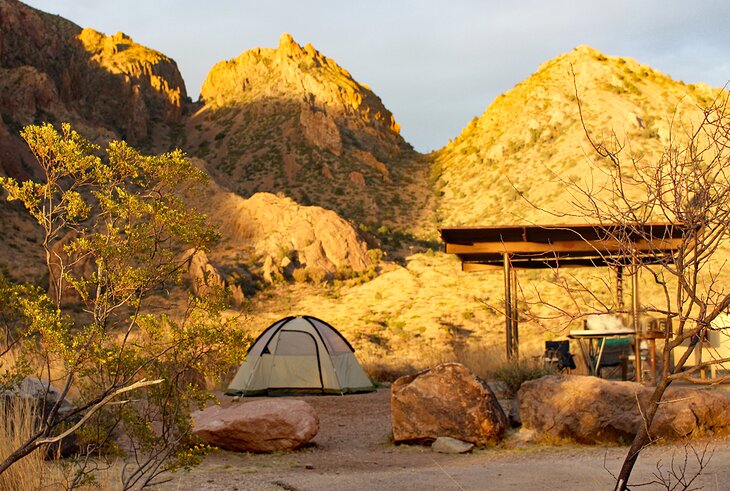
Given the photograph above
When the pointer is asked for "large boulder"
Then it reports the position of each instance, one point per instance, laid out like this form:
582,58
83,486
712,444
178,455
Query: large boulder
39,396
263,426
315,238
447,400
593,410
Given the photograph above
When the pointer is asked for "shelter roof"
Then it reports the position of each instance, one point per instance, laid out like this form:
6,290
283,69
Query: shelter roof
550,246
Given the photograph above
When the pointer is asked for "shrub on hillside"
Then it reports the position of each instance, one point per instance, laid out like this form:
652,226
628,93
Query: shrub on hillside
514,372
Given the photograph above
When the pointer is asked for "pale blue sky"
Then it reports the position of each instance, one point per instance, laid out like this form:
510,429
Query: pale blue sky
435,64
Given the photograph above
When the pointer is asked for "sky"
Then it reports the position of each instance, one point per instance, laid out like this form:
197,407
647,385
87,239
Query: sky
435,64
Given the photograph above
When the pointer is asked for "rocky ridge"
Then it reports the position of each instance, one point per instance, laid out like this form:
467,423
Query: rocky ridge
292,119
106,86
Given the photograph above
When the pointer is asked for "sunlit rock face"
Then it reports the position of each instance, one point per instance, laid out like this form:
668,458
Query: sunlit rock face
106,86
592,410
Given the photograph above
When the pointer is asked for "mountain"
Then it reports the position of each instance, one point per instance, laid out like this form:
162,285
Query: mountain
106,86
290,120
302,156
530,138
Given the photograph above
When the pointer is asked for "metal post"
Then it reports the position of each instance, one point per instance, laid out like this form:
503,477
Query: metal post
508,305
635,317
619,288
515,317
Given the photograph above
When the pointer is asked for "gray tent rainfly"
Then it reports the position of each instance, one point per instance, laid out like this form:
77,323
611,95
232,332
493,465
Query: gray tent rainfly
300,355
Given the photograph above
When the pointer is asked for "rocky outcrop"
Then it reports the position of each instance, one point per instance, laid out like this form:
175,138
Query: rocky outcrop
278,119
304,74
287,235
593,410
157,88
447,400
270,425
107,87
204,277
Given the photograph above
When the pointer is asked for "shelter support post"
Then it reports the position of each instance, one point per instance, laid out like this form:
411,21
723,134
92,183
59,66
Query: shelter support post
619,288
510,309
515,316
635,318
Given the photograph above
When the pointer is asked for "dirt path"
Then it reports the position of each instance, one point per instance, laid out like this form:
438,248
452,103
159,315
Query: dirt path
353,452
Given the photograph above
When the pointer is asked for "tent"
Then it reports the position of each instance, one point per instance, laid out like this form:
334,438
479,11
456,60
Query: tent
300,355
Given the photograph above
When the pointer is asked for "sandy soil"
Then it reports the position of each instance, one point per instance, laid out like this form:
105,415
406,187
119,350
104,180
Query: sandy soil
353,452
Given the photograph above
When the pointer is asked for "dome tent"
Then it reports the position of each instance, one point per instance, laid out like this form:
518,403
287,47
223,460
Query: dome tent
300,355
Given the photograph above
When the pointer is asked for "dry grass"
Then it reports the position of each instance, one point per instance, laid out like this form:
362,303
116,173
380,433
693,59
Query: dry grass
482,359
512,374
31,472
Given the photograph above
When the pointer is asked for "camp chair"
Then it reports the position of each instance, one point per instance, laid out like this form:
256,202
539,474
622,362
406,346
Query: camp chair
557,354
615,358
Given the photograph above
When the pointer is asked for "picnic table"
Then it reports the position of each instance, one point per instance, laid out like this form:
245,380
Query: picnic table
593,341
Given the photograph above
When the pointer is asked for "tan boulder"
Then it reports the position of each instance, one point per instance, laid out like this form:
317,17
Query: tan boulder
205,277
593,410
318,240
270,425
447,400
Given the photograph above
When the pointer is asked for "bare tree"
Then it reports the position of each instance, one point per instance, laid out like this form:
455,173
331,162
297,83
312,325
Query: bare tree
687,186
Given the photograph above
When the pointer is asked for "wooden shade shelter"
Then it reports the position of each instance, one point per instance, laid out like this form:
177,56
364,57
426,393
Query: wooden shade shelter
554,246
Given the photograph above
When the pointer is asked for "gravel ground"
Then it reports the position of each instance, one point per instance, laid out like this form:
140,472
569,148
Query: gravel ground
353,452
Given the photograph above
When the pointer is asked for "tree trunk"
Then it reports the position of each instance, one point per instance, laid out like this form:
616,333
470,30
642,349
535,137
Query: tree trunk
643,437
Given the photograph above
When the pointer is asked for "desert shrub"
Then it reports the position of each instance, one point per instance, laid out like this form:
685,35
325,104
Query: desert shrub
126,215
17,416
514,372
386,371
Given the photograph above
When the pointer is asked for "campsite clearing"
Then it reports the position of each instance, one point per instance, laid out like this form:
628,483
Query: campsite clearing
353,451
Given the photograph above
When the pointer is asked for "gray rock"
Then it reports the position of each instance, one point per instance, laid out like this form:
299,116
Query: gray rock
43,397
446,444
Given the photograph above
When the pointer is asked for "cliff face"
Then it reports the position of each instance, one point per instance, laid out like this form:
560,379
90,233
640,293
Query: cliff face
108,87
512,163
291,120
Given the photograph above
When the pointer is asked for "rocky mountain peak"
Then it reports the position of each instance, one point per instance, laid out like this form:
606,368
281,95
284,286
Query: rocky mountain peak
289,47
106,86
291,120
156,76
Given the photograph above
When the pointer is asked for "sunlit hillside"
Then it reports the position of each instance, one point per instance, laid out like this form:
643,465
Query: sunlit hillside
512,164
323,207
